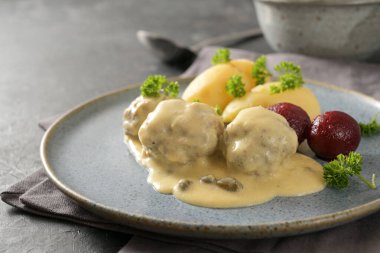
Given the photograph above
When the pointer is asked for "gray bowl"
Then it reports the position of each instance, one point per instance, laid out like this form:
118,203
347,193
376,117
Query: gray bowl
348,29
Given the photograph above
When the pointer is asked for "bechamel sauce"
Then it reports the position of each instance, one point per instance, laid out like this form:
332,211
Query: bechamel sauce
299,175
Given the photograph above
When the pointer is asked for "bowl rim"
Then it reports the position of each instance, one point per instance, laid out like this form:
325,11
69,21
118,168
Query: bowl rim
322,2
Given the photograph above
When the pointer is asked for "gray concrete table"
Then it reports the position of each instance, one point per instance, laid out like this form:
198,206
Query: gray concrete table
55,54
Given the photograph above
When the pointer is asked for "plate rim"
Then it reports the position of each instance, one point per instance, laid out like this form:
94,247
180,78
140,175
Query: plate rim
187,229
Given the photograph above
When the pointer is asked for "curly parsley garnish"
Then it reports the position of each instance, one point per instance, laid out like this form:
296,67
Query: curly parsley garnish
337,172
222,55
172,89
371,128
218,110
235,86
260,71
290,77
155,85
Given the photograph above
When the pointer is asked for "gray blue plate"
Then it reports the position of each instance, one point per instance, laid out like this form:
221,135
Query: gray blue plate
84,155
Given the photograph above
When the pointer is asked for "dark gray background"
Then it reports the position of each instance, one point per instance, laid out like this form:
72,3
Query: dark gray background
53,55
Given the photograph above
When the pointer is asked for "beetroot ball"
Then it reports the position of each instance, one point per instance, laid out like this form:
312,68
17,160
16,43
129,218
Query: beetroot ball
333,133
296,117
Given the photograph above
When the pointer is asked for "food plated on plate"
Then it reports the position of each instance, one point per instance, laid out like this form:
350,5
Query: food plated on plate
232,139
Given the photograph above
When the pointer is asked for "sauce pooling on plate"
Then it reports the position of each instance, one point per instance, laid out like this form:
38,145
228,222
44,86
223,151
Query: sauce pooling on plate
189,154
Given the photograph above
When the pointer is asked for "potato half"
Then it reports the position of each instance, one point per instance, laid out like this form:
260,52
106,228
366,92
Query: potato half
260,95
210,86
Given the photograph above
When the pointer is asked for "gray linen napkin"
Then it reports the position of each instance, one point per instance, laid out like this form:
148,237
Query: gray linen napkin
36,194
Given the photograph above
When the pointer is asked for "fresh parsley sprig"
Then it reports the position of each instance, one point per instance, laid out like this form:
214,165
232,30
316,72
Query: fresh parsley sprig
290,77
171,89
371,128
260,71
235,86
218,110
337,172
156,85
222,55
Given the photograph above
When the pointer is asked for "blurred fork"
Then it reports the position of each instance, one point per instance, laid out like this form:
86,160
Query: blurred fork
174,54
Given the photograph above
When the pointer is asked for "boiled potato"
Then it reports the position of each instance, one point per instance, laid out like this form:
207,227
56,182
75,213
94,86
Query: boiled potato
245,66
209,86
260,95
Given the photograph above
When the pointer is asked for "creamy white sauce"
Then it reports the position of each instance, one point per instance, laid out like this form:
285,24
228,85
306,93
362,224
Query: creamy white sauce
297,175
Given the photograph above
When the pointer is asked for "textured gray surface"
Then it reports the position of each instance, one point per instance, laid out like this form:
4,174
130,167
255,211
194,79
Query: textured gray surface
55,54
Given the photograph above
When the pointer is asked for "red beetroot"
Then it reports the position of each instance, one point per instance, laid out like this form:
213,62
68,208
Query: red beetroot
296,117
333,133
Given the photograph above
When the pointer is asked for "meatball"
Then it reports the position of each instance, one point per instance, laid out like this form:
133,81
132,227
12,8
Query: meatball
137,112
178,132
257,140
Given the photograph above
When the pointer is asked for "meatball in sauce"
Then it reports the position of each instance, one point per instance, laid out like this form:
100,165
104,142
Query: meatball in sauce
190,154
180,132
137,112
258,141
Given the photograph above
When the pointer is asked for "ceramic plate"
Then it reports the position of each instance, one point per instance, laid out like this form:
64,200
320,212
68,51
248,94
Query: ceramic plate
84,155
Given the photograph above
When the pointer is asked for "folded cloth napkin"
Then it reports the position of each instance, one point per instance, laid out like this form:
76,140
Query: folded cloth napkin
37,194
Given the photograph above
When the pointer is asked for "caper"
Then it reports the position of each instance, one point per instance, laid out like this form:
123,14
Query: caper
229,184
209,179
183,184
